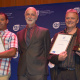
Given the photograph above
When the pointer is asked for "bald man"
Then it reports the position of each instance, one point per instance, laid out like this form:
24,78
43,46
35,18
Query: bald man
34,44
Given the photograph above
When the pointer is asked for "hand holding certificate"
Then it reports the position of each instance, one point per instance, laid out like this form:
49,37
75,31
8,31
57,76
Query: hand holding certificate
61,43
1,45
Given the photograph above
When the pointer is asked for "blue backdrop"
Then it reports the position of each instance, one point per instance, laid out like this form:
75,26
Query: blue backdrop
51,16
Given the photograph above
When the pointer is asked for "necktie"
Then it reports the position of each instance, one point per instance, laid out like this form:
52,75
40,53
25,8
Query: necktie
28,37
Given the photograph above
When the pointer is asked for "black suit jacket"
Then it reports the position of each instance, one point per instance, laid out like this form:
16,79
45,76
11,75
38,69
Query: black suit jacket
33,58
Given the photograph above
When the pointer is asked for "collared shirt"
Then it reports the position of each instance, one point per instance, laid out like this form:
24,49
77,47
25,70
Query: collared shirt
31,31
10,41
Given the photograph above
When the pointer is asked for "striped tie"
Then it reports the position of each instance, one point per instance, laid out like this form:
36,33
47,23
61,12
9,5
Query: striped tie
28,37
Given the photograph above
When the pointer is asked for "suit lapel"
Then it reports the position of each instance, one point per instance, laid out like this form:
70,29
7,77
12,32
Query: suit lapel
34,34
24,37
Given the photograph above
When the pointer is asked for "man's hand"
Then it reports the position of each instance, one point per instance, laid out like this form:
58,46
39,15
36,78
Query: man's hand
62,56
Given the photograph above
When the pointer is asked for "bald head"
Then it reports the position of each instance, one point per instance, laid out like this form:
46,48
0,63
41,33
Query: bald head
72,11
32,8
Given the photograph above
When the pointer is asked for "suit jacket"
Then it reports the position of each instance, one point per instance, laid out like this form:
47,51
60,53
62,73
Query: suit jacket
33,58
77,57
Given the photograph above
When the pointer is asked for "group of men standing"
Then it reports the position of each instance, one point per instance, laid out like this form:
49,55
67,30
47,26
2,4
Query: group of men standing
34,46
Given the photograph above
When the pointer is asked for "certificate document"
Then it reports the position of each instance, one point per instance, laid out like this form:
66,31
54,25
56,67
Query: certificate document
61,43
1,45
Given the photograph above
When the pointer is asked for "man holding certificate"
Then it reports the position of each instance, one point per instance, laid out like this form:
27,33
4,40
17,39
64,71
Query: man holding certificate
8,47
68,66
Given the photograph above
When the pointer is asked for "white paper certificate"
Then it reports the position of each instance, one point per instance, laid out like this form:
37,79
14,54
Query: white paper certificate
1,45
61,43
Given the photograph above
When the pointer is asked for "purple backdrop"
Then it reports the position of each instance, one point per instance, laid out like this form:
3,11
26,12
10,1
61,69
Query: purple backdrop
51,16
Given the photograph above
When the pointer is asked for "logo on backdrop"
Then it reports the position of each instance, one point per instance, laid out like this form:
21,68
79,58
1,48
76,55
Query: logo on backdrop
44,12
10,15
77,9
56,25
18,27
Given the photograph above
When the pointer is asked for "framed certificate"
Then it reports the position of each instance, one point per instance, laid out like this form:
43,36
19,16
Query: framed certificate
1,45
61,43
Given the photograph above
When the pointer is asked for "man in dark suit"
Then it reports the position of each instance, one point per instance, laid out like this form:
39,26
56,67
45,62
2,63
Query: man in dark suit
34,44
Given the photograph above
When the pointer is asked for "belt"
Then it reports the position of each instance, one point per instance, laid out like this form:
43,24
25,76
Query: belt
66,68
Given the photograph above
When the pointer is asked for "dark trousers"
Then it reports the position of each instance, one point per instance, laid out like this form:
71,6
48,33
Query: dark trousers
32,77
53,73
66,75
59,74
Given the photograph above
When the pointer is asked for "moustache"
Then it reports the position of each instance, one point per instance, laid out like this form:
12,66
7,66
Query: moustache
29,19
69,22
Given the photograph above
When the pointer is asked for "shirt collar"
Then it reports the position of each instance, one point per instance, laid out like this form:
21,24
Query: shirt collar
65,31
3,31
31,27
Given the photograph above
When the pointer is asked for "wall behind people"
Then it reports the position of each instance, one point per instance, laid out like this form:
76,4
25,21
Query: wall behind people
51,16
9,3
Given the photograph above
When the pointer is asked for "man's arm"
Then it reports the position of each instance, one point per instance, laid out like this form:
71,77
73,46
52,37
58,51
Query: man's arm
55,59
47,42
8,53
52,57
13,45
